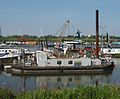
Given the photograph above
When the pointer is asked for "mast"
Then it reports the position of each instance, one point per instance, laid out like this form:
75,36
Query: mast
0,31
97,33
1,38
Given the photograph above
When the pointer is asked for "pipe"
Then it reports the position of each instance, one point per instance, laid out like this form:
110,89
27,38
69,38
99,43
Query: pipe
97,33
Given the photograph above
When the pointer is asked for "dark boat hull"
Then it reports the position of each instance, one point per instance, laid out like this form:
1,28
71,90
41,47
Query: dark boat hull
62,70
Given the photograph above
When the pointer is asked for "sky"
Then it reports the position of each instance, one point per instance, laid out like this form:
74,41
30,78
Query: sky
46,17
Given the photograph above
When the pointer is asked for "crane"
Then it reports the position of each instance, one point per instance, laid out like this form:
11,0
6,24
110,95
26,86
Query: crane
62,29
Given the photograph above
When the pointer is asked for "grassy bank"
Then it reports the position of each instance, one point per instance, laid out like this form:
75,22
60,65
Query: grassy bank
6,94
82,92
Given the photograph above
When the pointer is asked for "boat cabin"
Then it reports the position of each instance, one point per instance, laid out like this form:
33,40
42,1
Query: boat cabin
43,60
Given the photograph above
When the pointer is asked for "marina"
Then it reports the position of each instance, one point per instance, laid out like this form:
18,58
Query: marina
53,62
59,49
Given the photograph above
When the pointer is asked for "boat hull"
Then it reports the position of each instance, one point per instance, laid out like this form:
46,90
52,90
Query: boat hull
61,70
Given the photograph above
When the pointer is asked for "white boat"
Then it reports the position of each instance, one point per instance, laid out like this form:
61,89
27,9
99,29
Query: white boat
111,51
66,45
7,52
10,55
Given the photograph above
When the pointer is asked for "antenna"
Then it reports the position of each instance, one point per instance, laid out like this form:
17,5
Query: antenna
19,31
41,31
1,39
0,31
73,30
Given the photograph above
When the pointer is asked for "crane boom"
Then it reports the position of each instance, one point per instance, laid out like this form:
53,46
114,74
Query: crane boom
63,29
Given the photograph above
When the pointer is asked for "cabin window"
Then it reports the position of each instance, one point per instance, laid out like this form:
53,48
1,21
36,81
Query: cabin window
2,50
70,62
77,63
59,62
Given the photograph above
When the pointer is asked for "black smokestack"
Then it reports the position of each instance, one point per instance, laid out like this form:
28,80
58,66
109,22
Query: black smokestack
97,33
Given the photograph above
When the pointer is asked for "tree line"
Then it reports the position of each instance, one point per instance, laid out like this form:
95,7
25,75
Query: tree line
55,38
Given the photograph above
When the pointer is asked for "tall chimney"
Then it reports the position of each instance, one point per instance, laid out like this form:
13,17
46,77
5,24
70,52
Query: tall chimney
97,33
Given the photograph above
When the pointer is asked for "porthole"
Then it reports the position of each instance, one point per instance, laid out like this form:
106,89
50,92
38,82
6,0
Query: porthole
70,62
59,62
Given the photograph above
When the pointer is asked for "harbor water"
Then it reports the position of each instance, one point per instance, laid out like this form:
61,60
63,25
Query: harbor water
27,83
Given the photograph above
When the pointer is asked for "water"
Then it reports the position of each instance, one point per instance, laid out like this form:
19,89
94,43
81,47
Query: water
25,83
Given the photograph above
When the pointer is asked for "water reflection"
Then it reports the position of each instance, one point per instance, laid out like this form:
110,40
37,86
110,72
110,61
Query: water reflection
51,82
115,79
17,83
25,83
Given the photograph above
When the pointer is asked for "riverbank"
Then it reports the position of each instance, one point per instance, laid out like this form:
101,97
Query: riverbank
81,92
